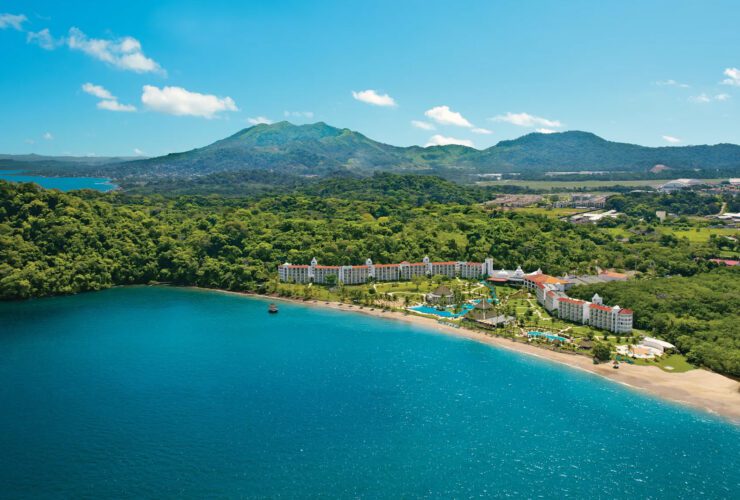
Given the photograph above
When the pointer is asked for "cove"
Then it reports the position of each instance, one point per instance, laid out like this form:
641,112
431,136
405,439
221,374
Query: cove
60,183
155,391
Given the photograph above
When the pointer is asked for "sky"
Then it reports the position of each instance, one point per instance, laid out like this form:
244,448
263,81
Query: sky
150,78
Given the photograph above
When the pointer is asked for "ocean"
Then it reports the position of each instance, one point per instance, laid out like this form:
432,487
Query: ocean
166,392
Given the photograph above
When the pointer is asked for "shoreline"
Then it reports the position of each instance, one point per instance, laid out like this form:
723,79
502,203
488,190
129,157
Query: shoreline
699,388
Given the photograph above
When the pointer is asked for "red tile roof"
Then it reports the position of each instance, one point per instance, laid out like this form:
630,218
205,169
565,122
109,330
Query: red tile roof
386,265
570,301
625,311
449,263
600,307
297,266
327,267
544,278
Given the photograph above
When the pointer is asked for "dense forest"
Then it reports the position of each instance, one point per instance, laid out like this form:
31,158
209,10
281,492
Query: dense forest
57,243
699,314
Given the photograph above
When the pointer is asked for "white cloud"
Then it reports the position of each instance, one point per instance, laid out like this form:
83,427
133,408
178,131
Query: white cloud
298,114
372,97
124,53
733,77
546,131
441,140
97,91
704,98
526,120
484,131
29,141
108,101
671,139
422,125
258,120
180,102
43,39
14,21
701,98
139,152
48,136
445,116
672,83
114,105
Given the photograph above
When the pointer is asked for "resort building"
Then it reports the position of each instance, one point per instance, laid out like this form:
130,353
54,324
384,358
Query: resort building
355,275
595,313
574,310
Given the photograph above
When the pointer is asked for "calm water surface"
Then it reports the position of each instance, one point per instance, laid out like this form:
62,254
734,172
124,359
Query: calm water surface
61,183
157,392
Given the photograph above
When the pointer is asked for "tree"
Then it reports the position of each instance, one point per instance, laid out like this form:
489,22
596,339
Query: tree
602,352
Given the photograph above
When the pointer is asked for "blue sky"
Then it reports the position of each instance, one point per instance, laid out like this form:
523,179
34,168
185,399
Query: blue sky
173,75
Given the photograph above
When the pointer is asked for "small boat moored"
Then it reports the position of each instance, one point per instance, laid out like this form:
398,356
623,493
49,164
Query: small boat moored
272,309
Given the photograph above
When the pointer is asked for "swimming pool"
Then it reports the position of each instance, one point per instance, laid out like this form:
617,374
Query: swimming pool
447,313
549,336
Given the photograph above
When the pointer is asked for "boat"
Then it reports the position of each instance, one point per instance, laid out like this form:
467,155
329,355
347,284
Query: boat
272,309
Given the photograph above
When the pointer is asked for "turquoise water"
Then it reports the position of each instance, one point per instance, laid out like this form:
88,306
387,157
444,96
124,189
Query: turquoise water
447,313
549,336
61,183
156,392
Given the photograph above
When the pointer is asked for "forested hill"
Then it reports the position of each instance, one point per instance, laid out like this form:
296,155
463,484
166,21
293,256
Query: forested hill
320,150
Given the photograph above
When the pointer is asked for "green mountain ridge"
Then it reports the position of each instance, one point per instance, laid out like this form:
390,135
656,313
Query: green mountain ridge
320,150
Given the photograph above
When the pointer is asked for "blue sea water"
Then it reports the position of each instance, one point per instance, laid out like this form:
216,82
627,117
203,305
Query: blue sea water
152,392
60,183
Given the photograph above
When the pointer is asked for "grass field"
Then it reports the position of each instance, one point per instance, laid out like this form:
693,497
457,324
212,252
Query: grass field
694,235
701,235
674,363
571,185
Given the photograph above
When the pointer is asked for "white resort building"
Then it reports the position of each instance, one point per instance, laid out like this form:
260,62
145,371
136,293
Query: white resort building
355,275
550,291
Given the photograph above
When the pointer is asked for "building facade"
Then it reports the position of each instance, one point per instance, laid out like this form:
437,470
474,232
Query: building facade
355,275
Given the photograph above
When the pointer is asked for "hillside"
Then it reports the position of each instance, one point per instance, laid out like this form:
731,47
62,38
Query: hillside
320,150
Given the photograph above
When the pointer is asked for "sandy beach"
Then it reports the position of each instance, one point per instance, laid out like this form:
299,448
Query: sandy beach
698,388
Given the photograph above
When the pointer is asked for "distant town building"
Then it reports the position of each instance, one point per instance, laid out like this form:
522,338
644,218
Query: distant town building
594,217
679,184
515,200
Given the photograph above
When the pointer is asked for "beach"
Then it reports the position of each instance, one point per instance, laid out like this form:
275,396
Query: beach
699,388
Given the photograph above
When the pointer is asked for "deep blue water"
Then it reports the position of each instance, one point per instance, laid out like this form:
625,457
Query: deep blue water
61,183
157,392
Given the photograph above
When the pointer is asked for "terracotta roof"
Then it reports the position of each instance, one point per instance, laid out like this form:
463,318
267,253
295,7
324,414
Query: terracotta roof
298,266
570,301
625,311
444,263
386,265
359,267
726,262
417,264
327,267
600,307
615,275
498,280
472,263
544,278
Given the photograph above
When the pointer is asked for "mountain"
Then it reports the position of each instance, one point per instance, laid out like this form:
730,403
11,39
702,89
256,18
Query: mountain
287,151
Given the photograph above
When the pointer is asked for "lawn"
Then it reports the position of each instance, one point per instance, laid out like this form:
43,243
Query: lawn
700,234
674,363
